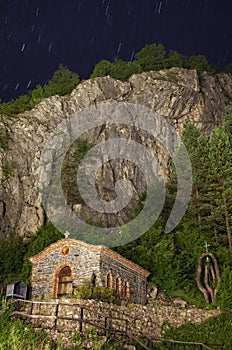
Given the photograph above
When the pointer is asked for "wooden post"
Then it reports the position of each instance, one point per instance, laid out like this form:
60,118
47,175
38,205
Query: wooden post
127,336
31,310
110,319
105,324
56,316
81,319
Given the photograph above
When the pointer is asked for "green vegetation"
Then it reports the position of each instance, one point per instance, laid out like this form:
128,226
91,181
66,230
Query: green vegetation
62,83
16,335
69,170
215,332
172,258
98,293
8,169
14,253
228,68
152,57
4,138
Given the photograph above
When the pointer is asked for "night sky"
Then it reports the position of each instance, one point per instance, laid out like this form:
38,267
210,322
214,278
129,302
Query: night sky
37,35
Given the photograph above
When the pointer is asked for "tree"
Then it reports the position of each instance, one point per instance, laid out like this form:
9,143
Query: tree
102,69
227,121
220,182
174,59
62,83
151,57
225,290
200,63
37,95
228,68
46,235
123,70
197,145
189,245
119,69
69,170
12,250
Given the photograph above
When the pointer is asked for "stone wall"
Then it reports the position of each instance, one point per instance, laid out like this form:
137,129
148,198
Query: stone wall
133,284
131,319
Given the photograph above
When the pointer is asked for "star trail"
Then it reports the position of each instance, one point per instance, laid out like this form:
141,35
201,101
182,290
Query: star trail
37,35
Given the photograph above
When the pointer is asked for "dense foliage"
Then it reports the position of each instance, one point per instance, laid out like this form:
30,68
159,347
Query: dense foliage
15,251
87,291
215,332
62,82
152,57
172,258
69,170
16,335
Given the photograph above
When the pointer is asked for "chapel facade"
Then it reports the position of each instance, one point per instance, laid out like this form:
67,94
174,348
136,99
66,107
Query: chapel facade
68,264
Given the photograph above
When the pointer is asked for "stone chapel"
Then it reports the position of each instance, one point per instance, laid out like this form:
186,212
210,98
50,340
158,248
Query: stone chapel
70,263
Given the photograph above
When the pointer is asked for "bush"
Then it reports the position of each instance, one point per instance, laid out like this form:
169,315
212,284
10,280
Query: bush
4,138
98,293
215,331
16,335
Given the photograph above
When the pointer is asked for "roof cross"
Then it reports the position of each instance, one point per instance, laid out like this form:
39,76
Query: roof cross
66,234
206,247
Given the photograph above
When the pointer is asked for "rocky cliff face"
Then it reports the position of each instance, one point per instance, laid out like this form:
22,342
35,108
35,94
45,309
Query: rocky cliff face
177,94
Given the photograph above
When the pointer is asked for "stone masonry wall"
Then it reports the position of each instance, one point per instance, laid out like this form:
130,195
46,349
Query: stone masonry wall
133,319
137,282
81,261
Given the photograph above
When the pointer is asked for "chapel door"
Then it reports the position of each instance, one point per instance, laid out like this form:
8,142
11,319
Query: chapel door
64,281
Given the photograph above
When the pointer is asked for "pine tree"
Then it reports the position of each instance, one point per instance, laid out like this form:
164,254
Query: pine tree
151,57
197,145
62,82
220,183
102,69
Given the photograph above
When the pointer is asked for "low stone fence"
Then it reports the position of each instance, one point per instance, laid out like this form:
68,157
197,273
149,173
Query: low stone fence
76,316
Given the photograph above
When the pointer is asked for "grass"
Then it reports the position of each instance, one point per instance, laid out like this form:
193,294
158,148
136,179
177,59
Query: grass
215,332
17,335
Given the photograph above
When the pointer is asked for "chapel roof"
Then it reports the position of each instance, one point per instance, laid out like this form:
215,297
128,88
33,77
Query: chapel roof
93,248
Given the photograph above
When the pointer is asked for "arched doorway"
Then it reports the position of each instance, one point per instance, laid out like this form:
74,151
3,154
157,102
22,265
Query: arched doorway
64,281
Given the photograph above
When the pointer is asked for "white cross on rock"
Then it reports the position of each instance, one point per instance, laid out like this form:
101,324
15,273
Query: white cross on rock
206,247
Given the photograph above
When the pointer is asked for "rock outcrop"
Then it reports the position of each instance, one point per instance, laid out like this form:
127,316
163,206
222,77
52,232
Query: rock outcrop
177,94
